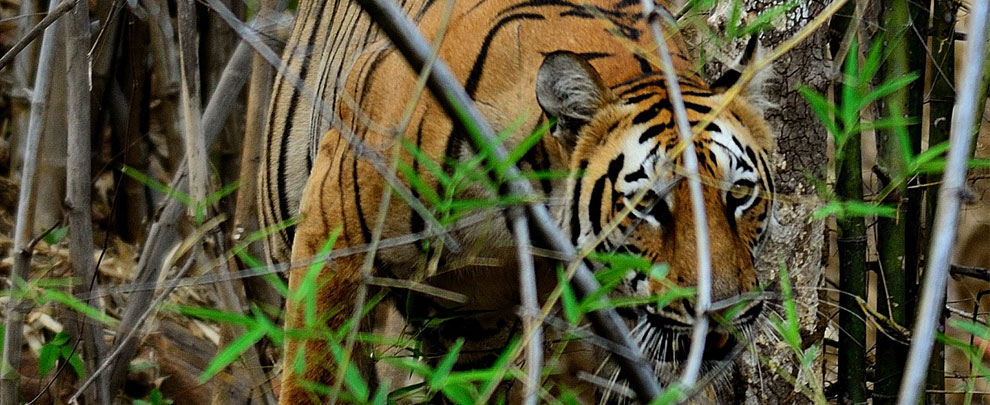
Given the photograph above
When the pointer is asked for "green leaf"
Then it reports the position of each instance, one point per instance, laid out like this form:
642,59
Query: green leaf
886,88
352,377
568,300
47,358
763,20
211,314
76,305
156,185
459,393
847,112
56,235
306,292
532,140
979,330
822,108
74,361
60,339
855,209
232,352
446,364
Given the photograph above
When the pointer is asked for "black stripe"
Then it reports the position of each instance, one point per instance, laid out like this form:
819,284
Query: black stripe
472,82
704,109
766,174
654,131
649,114
595,205
576,204
638,174
638,98
416,221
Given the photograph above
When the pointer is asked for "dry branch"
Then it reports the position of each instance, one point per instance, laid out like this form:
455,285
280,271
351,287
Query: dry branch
947,214
13,336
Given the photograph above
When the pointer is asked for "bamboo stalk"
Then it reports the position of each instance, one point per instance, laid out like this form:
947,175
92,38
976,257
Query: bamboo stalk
78,191
906,55
942,73
851,246
13,336
947,214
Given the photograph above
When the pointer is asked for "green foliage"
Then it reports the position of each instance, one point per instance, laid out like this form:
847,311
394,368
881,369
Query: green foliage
789,329
155,397
56,235
60,348
845,121
257,326
199,207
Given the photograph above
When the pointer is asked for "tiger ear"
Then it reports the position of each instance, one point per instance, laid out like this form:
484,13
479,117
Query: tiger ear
570,90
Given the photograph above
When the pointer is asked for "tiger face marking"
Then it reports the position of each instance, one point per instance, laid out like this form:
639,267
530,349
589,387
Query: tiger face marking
630,198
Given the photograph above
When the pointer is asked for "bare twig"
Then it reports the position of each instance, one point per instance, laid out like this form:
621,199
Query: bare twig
53,15
13,336
947,215
449,92
78,191
978,273
704,265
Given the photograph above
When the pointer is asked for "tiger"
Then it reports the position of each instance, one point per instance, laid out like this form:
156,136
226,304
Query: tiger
341,127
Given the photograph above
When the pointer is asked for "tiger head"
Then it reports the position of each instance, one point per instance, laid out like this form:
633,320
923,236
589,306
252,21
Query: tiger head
629,197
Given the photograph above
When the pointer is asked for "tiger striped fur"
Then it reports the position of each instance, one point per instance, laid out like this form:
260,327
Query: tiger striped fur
524,62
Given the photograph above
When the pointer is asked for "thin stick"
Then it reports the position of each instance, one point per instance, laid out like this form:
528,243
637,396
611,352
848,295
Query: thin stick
78,192
456,102
530,306
14,325
704,265
49,19
947,215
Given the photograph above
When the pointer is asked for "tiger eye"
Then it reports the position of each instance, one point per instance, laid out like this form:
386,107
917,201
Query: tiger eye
738,191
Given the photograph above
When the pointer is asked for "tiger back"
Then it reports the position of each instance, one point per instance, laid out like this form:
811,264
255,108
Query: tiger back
583,66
